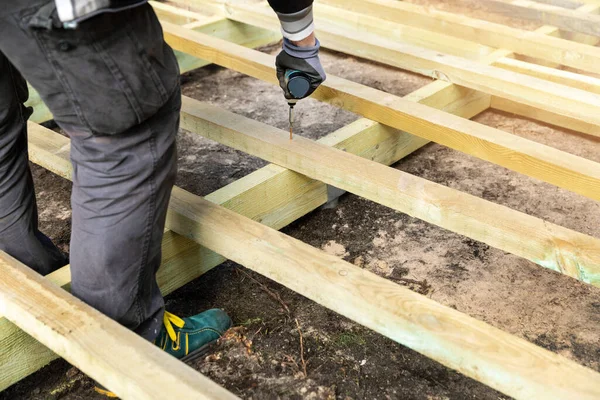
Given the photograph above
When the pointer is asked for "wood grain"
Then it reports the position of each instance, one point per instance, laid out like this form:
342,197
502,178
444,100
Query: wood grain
536,160
563,250
354,33
130,366
502,361
569,20
272,195
534,44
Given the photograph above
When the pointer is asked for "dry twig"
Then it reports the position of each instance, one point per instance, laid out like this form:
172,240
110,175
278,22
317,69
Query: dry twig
302,349
274,295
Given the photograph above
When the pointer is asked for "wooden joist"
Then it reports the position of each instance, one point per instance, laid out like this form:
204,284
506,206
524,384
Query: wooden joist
188,209
572,79
183,261
272,195
334,23
549,96
179,16
536,160
493,357
534,44
502,361
116,357
352,22
569,20
569,4
563,250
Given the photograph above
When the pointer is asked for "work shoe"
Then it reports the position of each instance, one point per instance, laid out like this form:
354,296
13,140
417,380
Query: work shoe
190,338
187,338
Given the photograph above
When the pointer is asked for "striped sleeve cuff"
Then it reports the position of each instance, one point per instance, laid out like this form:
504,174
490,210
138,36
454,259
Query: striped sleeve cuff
69,10
297,26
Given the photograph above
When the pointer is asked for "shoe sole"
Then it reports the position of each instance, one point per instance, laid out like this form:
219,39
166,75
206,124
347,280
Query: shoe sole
198,353
202,351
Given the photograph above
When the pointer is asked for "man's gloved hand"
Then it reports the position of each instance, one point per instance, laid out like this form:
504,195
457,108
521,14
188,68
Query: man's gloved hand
304,59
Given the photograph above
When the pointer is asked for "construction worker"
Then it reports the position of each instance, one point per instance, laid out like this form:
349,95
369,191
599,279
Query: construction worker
112,84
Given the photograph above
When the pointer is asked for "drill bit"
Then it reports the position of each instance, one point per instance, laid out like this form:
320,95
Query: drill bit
291,119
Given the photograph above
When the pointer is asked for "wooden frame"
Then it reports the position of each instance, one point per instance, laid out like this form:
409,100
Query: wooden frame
397,126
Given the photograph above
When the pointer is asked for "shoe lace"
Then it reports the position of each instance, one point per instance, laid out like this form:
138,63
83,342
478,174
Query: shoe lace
169,320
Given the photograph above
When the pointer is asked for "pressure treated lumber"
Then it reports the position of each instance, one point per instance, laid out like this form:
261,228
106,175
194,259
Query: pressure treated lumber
182,261
272,195
569,4
184,218
495,358
337,23
332,22
568,20
524,110
568,78
353,22
550,96
573,254
582,82
177,15
385,29
542,162
502,361
528,43
130,366
349,22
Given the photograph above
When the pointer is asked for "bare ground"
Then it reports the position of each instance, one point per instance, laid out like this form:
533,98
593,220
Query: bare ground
260,358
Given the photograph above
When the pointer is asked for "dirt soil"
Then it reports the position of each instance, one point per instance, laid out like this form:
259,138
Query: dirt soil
260,357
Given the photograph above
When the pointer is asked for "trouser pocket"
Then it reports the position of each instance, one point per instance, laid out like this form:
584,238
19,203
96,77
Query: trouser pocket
115,70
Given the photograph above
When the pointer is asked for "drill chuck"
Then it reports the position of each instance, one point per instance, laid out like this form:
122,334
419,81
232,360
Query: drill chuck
298,83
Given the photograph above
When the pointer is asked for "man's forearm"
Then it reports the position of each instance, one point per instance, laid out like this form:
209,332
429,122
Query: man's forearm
308,41
296,19
300,51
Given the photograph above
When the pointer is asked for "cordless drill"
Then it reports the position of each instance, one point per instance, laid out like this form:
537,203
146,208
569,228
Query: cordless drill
298,85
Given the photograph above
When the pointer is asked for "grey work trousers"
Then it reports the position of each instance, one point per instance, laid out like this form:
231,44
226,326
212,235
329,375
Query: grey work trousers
112,85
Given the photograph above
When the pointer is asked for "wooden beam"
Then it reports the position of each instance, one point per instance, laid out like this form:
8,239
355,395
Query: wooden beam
177,15
543,116
536,160
562,18
528,43
569,4
190,216
346,22
437,94
582,82
550,96
476,349
130,366
272,195
263,16
571,253
572,79
23,355
565,77
506,363
333,24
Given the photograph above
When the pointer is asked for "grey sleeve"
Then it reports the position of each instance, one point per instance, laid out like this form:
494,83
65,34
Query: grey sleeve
296,18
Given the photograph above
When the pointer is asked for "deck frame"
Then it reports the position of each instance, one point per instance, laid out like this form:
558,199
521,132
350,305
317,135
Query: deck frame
440,111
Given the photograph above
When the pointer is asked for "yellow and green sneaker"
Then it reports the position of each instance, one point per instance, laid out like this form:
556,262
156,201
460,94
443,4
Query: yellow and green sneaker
187,338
